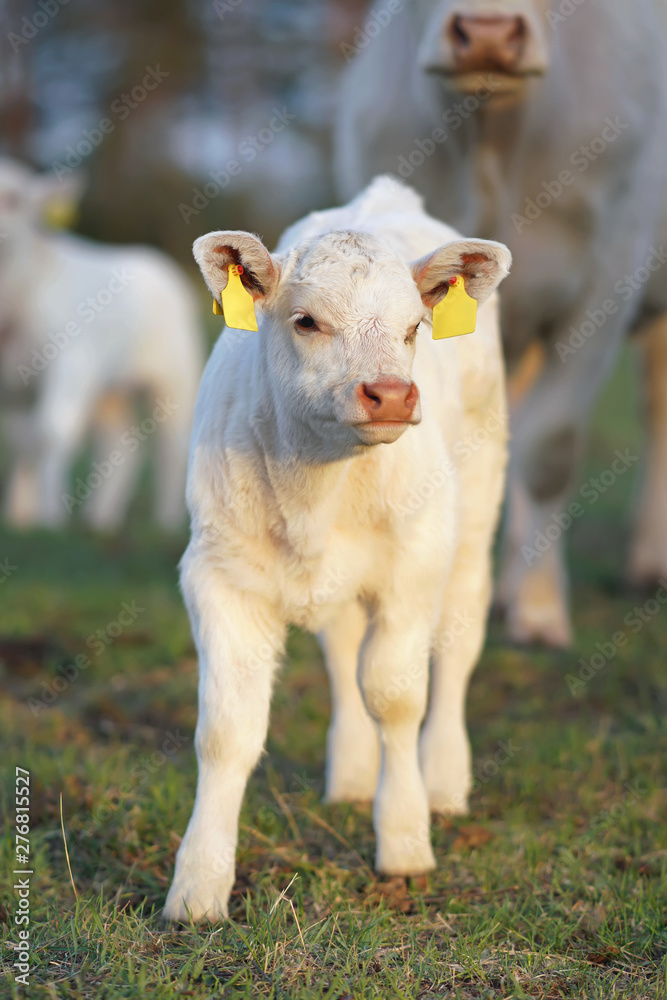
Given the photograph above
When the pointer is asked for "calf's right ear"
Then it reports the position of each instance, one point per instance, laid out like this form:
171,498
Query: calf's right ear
216,251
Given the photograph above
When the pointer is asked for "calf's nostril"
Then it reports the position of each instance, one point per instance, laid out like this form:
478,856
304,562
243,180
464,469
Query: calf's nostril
372,396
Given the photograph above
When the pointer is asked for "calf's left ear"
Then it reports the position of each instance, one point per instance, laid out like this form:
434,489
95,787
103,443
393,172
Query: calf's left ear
216,251
481,263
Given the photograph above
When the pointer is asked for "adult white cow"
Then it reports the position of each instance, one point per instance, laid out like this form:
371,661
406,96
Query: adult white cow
299,515
85,330
541,124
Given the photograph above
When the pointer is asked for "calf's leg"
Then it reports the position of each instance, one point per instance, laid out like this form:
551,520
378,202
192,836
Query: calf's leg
238,639
107,507
353,748
394,679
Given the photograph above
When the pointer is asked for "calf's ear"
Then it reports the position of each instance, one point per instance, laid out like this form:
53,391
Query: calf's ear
216,251
481,263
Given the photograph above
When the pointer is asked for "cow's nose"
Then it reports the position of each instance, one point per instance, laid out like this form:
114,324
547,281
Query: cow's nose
482,44
388,399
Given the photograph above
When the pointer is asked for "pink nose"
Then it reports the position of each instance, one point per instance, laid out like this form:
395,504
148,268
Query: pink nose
482,44
388,399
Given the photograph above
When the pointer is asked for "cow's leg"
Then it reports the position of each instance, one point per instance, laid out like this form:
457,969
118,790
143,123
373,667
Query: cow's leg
648,553
533,586
238,640
353,748
394,679
445,749
108,503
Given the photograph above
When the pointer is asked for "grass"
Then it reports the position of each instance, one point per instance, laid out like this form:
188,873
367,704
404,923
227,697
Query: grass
554,886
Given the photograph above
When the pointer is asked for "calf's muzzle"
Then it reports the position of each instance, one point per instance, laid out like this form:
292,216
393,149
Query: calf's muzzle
388,399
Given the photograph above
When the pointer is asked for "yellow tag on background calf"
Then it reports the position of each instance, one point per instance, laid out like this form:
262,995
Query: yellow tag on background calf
456,314
238,307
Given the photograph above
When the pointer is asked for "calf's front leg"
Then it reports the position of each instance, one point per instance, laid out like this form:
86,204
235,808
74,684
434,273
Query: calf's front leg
238,639
394,681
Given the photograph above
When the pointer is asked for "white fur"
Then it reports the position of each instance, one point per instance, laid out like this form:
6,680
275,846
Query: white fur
300,516
140,335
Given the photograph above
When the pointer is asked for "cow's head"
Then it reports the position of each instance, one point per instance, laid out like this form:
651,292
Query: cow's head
27,199
466,42
341,317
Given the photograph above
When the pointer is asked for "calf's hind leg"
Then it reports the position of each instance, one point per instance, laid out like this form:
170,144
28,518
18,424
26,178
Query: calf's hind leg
238,640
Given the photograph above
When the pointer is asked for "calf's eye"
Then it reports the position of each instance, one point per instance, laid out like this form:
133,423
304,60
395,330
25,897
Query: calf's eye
410,338
306,323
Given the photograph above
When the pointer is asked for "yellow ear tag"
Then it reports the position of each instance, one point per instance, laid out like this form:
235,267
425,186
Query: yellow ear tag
60,214
456,314
238,307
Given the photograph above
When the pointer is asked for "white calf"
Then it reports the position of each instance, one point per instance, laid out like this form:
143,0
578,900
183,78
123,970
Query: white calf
85,328
298,516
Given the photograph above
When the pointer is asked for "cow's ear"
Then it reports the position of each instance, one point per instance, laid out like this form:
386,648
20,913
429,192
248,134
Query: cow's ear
216,251
481,263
